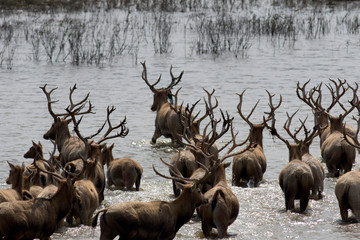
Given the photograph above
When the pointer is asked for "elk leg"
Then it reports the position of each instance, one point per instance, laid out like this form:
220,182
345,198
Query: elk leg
156,135
289,201
137,183
206,228
304,202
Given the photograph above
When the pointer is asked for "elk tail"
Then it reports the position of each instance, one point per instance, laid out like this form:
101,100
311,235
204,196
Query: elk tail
219,193
94,220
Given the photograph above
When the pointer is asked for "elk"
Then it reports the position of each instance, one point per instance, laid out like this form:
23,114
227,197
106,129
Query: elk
167,121
121,172
69,147
38,217
317,169
250,166
86,201
16,192
295,179
151,220
94,163
189,160
347,188
320,113
41,179
223,206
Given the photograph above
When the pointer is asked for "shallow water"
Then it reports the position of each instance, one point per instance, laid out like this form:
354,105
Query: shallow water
275,66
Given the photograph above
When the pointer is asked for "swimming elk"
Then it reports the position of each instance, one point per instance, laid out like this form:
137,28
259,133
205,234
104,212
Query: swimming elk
250,166
151,220
167,121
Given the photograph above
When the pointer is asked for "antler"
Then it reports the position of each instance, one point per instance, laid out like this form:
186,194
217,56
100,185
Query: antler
144,77
49,102
174,80
80,105
123,132
239,106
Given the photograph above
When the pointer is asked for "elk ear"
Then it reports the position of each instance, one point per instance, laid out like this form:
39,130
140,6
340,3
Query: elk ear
11,165
112,146
179,185
68,121
34,144
227,164
23,167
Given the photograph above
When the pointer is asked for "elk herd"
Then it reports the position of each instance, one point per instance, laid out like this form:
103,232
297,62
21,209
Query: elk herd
68,187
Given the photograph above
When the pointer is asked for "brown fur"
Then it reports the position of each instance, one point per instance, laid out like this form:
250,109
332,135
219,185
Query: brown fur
149,220
86,202
296,179
15,178
36,218
347,191
223,206
337,153
122,172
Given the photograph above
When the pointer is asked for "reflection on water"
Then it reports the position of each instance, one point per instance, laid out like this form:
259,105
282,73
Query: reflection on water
275,66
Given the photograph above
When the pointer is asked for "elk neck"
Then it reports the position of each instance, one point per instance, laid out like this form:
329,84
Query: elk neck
62,135
63,198
183,207
294,152
256,134
335,124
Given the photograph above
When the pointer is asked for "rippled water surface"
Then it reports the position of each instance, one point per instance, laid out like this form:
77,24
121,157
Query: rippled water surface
273,65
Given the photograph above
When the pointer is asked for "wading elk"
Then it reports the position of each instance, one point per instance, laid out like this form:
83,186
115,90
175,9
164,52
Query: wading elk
317,169
320,113
190,159
70,147
167,122
223,206
86,201
41,179
347,188
250,166
338,155
151,220
121,172
16,192
295,179
94,162
38,217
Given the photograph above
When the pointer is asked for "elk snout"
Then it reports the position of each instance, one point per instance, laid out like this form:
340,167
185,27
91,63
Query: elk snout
153,108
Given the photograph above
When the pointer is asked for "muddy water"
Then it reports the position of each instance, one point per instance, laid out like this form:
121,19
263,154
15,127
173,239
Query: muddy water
275,67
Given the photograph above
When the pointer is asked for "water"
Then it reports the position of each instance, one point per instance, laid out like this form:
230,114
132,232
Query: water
268,64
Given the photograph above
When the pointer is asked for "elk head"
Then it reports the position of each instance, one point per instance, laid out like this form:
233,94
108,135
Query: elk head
60,125
35,151
161,95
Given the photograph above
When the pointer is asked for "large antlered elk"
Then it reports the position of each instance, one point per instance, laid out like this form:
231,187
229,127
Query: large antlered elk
167,122
339,155
295,179
189,160
38,217
317,169
320,113
250,166
94,162
69,147
151,220
121,172
223,206
347,188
